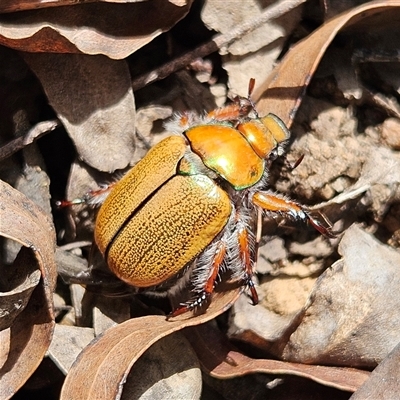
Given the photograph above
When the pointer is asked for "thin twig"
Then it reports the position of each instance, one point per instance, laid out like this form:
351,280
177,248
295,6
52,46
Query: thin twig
34,133
219,41
75,245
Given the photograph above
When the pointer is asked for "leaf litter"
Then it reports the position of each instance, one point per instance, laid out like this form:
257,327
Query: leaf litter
327,306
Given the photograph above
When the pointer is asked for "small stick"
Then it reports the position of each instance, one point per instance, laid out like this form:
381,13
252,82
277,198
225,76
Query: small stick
34,133
219,41
75,245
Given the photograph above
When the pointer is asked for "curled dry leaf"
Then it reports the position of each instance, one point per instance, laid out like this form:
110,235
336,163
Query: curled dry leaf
12,5
282,92
352,316
115,30
146,116
20,284
26,340
221,360
102,368
20,5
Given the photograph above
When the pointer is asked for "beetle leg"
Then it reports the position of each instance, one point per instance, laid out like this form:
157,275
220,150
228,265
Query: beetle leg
279,204
208,289
217,262
240,108
244,251
93,197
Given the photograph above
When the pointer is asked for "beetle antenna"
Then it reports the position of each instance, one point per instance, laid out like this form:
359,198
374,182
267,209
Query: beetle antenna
252,83
291,167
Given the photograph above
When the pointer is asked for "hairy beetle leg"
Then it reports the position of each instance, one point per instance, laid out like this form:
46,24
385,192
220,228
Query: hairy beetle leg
200,300
280,205
203,296
216,264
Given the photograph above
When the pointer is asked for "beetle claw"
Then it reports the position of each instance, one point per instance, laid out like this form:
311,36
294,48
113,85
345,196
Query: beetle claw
322,229
253,291
191,305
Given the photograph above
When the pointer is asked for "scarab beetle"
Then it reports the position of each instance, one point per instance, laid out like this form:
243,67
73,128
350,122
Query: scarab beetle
188,210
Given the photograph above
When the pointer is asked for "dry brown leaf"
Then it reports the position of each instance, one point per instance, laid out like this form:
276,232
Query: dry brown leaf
109,311
25,342
145,118
33,134
352,317
221,360
67,343
282,93
23,279
92,96
81,180
262,327
115,30
384,381
332,8
172,372
106,362
20,5
103,366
